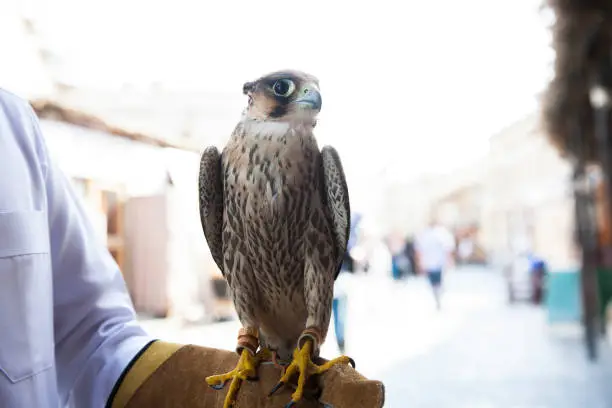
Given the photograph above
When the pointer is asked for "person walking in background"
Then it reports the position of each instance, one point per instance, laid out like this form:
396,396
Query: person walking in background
537,269
410,253
400,262
339,303
434,249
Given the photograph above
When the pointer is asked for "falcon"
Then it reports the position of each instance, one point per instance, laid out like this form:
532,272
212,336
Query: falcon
275,213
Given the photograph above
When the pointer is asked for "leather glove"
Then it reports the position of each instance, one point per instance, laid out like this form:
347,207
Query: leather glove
168,375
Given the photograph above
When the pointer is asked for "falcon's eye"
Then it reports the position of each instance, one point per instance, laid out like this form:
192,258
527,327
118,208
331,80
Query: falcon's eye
283,87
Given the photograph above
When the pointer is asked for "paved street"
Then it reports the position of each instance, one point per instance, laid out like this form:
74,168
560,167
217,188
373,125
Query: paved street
478,352
500,357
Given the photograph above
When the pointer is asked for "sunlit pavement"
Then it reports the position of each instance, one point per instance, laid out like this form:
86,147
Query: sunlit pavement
489,354
477,352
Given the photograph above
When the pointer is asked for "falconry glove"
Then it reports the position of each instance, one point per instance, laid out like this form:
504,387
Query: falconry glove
168,375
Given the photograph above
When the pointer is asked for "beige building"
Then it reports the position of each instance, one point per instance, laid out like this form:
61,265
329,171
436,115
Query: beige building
455,199
140,193
517,197
528,201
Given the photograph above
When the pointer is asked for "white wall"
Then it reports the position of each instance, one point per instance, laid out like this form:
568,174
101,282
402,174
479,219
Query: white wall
82,152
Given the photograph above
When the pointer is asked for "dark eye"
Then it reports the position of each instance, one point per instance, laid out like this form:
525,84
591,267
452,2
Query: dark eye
283,87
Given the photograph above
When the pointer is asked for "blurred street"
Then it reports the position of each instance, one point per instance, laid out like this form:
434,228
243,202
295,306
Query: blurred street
477,352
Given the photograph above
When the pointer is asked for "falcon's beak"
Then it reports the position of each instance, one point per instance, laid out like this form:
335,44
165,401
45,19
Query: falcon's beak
310,97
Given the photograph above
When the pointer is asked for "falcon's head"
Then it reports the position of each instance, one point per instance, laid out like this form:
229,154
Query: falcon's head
284,96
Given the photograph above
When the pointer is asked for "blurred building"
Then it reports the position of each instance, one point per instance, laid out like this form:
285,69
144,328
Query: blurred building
459,202
516,197
188,119
454,199
528,202
407,205
141,194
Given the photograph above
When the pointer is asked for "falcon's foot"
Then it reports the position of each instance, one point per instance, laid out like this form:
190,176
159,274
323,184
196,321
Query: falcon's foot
246,369
303,365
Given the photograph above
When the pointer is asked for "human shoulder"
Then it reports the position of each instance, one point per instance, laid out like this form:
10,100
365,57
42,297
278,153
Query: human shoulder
19,115
19,129
13,104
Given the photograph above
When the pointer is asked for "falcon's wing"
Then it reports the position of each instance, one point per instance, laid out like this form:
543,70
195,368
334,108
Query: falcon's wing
211,202
336,198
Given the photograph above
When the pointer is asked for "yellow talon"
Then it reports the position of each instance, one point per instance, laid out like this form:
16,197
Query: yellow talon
245,370
303,364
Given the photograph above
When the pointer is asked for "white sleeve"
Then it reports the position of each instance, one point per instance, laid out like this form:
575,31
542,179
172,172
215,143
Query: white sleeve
96,330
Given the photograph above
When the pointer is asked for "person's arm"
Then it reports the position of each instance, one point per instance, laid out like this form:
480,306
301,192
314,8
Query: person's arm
95,327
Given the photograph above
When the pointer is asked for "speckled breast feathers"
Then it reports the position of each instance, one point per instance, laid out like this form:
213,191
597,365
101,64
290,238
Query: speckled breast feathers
275,210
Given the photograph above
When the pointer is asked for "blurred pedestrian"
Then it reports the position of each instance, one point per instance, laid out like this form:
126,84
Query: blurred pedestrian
339,303
537,272
434,247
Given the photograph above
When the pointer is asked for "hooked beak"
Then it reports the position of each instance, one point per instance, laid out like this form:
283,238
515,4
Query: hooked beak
311,98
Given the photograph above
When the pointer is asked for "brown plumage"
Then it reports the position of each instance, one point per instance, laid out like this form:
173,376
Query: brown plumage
582,39
276,215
